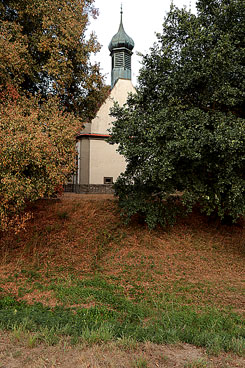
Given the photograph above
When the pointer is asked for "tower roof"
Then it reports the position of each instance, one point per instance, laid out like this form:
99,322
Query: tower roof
121,39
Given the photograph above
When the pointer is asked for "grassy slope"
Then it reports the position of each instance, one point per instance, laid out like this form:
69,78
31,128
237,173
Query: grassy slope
78,271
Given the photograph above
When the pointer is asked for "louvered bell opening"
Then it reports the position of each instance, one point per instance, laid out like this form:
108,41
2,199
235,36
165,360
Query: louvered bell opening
119,60
127,61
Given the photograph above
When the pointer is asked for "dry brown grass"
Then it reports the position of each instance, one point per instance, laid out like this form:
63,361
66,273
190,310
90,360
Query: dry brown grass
18,354
81,233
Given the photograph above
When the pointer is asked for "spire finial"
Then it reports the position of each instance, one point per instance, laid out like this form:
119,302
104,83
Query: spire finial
121,12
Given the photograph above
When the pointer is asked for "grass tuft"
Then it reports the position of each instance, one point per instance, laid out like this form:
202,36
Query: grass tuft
140,362
199,363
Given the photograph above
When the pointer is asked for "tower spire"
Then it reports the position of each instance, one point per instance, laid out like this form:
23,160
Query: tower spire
121,47
121,17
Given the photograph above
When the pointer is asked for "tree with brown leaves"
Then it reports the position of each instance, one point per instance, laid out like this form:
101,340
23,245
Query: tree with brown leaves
48,87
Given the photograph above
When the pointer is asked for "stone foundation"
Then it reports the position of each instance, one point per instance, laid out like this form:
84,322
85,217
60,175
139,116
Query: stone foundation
89,188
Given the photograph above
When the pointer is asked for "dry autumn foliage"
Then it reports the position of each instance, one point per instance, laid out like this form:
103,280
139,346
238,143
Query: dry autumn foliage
44,48
48,86
37,150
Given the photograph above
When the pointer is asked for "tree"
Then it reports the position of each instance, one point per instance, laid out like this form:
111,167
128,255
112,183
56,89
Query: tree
48,87
184,129
44,50
37,150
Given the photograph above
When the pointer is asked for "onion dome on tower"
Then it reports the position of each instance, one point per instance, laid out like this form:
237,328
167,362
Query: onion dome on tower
121,47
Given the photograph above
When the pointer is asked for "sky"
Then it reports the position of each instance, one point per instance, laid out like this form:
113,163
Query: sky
141,20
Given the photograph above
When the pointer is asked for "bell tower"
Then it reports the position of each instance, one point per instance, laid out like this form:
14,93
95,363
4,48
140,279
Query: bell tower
121,47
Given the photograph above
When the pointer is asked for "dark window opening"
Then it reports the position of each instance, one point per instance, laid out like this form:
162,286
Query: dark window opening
108,180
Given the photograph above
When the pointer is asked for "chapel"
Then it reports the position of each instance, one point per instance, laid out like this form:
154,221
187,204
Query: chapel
99,163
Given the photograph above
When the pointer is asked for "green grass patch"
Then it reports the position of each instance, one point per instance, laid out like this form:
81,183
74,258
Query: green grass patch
115,315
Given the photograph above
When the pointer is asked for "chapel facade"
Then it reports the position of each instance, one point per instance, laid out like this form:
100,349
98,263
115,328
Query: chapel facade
99,163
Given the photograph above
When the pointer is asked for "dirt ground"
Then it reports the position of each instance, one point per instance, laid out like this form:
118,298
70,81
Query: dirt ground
17,354
87,197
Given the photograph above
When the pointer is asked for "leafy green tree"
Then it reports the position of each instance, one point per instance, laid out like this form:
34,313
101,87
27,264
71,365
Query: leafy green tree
44,49
184,129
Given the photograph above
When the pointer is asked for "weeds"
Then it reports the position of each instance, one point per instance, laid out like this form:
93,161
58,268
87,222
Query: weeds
102,244
140,362
199,363
63,215
18,332
32,340
48,336
127,343
102,334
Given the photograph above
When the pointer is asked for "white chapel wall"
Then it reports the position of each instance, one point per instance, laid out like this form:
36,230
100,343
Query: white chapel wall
105,161
102,122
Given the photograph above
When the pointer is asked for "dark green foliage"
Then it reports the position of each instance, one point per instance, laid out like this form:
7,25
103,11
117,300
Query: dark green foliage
184,130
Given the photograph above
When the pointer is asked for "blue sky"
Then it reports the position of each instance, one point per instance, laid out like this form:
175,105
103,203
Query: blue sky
141,19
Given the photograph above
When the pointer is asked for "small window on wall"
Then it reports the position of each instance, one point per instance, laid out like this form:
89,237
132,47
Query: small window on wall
108,180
